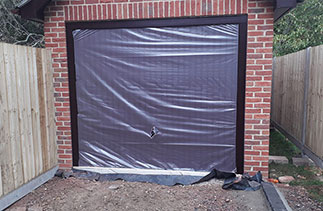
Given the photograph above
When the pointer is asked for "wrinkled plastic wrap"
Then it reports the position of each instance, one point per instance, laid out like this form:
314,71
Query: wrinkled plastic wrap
157,98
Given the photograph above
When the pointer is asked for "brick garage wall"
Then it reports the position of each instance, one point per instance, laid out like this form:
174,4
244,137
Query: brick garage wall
259,59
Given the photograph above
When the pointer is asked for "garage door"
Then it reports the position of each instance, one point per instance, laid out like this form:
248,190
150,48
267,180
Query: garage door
158,97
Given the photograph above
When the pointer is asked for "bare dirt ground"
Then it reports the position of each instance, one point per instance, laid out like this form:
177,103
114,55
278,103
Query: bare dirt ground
78,194
298,198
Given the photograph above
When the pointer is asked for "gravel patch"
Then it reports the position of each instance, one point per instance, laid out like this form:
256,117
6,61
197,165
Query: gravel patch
298,198
79,194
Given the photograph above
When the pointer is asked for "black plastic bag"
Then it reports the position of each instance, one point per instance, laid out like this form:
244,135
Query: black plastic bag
244,182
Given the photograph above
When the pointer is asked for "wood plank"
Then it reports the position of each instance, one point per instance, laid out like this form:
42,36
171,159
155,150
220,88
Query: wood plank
1,191
35,118
20,78
28,113
46,95
14,129
51,109
5,148
28,121
42,108
278,93
52,116
318,58
314,132
46,98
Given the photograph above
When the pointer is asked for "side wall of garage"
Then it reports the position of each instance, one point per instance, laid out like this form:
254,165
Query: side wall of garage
259,59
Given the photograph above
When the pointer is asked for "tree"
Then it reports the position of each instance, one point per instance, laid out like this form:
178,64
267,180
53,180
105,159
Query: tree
301,28
16,30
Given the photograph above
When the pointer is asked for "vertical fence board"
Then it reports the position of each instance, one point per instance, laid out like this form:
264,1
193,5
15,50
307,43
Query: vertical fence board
20,79
9,56
30,134
42,108
51,109
1,191
46,84
32,70
27,124
28,121
5,147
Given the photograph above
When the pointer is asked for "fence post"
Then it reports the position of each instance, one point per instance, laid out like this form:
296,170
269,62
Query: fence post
306,86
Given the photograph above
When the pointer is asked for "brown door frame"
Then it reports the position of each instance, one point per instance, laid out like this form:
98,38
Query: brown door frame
241,20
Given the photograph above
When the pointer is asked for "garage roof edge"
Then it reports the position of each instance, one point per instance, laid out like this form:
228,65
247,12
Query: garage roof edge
282,7
34,9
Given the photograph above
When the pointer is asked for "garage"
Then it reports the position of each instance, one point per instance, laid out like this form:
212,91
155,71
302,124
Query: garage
158,94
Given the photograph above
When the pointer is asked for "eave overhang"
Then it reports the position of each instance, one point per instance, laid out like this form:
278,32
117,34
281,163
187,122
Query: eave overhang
34,9
282,7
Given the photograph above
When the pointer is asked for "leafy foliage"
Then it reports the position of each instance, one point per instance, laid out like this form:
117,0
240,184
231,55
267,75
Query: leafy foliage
299,29
14,29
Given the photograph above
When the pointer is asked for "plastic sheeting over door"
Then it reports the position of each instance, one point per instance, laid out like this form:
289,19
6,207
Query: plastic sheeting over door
157,98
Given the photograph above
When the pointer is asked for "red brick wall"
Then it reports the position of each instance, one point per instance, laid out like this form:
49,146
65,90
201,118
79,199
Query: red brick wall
259,58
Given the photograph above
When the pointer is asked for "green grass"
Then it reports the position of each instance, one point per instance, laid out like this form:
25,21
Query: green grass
291,170
280,146
311,183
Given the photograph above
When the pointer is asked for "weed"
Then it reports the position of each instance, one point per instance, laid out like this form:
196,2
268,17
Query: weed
291,170
280,146
310,183
304,175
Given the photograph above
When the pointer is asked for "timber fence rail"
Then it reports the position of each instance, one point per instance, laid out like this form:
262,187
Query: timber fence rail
297,99
27,117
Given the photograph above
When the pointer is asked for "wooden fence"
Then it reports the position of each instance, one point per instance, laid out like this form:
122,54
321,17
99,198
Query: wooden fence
297,97
27,124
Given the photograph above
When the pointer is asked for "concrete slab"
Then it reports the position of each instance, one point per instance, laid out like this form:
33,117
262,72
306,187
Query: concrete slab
304,161
106,170
278,159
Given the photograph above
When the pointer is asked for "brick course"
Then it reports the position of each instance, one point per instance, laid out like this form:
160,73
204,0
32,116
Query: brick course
259,58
